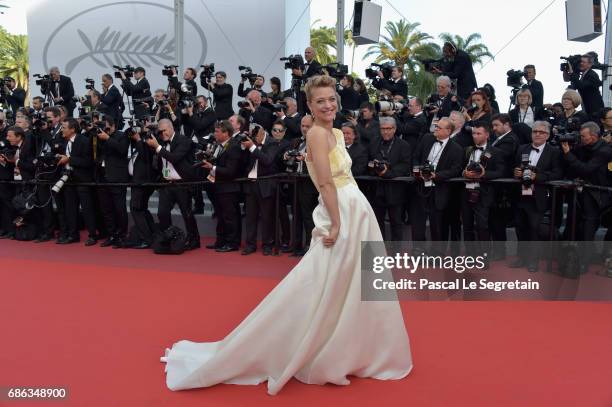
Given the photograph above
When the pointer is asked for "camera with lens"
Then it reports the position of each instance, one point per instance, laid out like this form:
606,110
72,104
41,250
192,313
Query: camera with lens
573,61
426,170
294,62
527,169
348,115
63,179
89,84
47,159
208,71
336,70
431,64
135,126
185,103
383,106
571,137
7,150
246,73
42,80
515,78
372,72
128,70
167,71
292,163
377,165
279,107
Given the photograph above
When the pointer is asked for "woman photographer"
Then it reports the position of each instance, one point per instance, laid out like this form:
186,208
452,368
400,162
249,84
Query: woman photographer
523,112
571,119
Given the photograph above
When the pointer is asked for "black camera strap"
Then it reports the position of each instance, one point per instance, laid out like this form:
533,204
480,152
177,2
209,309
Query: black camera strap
384,153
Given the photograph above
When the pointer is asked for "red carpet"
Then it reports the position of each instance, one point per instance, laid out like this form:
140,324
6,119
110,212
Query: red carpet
97,320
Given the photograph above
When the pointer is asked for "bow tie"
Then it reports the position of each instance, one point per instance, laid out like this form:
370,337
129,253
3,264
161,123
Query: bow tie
439,142
479,148
537,150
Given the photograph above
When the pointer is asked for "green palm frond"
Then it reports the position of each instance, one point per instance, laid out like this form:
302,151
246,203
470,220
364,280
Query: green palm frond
472,45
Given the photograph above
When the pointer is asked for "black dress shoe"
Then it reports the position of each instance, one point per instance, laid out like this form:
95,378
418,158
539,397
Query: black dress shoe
192,245
285,248
42,239
8,235
226,248
118,243
248,250
298,253
68,240
90,242
213,246
143,245
108,242
267,251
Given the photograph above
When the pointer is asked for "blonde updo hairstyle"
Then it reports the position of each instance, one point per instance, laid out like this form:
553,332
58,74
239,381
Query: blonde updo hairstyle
319,81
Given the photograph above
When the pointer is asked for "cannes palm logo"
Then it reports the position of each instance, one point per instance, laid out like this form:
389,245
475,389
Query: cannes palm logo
140,35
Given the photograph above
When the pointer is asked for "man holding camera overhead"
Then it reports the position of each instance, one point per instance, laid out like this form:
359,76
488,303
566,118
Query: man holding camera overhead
139,91
111,98
60,88
189,87
15,96
394,84
222,94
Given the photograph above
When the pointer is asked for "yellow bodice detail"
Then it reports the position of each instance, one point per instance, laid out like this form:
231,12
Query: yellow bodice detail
339,161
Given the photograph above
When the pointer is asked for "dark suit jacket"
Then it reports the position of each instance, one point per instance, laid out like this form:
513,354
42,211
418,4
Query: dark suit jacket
223,101
537,93
590,163
81,159
449,166
181,156
549,168
266,158
369,135
359,156
464,139
263,117
538,114
462,70
202,123
349,98
294,126
229,166
314,68
112,99
399,157
494,169
140,92
114,154
411,128
446,105
17,99
588,87
507,146
27,155
396,88
143,164
66,92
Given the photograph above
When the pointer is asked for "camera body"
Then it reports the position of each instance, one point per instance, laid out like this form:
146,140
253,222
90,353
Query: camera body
43,80
291,163
527,169
336,70
7,150
515,78
426,170
48,159
377,165
431,64
128,70
90,84
372,72
208,71
246,73
167,71
573,61
279,107
294,62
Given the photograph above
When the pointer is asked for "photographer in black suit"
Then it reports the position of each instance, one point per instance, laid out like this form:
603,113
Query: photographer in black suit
587,83
481,163
312,67
534,86
461,135
60,89
175,158
291,118
7,191
260,193
358,153
226,168
223,94
256,85
141,170
441,103
544,164
395,84
460,68
349,97
258,113
413,123
112,167
139,91
367,125
15,96
437,159
111,98
390,157
189,87
79,161
200,118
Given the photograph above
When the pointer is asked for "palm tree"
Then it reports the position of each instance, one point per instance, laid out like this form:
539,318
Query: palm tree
323,40
404,44
471,45
14,58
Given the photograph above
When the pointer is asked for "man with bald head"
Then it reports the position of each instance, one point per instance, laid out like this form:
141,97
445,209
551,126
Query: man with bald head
259,114
60,89
312,66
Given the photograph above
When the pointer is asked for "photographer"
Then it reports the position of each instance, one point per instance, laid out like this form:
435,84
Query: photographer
589,162
534,86
413,123
587,83
189,87
260,193
257,113
437,159
166,108
140,168
139,91
15,96
111,98
535,164
482,163
460,68
442,103
7,191
367,125
349,98
78,163
389,157
223,172
395,84
358,153
605,123
277,94
200,119
175,158
257,85
460,135
291,118
38,105
60,88
222,93
571,119
312,67
112,149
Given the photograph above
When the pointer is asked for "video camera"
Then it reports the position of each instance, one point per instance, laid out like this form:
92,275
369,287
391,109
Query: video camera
167,71
573,60
515,78
372,71
247,73
336,70
208,72
128,70
43,79
430,64
294,62
90,84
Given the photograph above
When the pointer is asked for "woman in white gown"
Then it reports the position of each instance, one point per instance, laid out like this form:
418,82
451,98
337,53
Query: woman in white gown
313,325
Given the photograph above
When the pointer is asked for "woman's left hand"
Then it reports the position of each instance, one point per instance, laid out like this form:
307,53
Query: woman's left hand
331,238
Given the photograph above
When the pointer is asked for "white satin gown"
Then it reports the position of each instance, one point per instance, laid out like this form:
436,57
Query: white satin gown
313,325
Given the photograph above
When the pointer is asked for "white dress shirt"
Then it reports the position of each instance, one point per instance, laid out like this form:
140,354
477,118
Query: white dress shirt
168,171
436,151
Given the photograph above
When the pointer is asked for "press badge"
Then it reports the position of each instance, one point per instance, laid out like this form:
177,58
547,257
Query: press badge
527,191
166,172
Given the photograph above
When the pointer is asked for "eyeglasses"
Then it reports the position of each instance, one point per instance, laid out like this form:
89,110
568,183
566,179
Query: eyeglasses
387,128
539,132
278,130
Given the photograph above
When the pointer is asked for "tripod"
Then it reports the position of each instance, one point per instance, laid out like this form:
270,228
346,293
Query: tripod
513,93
